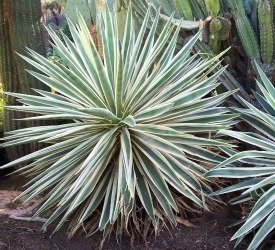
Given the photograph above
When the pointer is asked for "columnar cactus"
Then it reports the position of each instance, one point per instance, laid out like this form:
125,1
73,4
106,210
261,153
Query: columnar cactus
8,74
244,28
266,28
20,28
25,31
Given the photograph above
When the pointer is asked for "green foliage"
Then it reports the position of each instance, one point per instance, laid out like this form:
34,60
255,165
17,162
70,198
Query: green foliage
259,180
135,129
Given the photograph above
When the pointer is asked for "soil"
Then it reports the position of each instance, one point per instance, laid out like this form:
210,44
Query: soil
210,231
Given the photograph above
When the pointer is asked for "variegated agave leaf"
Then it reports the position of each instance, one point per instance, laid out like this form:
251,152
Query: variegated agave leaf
135,129
258,185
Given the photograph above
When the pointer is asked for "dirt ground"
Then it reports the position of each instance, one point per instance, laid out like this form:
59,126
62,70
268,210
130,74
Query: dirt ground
209,232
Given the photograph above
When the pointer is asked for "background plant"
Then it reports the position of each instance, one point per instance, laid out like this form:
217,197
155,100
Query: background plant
19,27
227,79
136,132
258,186
246,26
55,13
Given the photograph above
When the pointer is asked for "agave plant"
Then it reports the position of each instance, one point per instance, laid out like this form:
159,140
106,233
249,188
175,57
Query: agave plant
259,184
136,127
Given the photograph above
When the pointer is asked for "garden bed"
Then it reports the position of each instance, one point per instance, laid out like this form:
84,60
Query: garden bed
211,231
